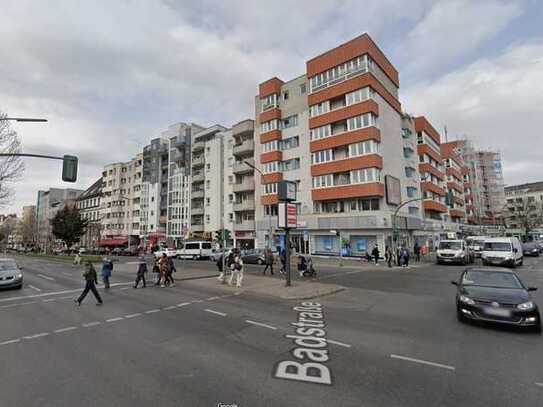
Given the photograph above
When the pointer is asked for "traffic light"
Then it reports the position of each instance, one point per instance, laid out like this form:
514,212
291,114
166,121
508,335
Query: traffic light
69,168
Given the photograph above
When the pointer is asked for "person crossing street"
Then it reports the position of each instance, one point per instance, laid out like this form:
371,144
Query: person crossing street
107,268
91,279
142,270
268,259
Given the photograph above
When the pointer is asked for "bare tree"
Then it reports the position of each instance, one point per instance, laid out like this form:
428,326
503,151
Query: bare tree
11,168
525,214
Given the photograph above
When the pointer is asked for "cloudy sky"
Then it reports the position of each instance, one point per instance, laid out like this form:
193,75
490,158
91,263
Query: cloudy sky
111,75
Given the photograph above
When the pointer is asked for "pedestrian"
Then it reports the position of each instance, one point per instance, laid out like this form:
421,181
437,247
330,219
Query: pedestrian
156,273
107,268
405,257
171,266
416,250
268,259
219,264
91,279
237,271
283,258
398,256
375,254
140,275
165,272
77,259
389,255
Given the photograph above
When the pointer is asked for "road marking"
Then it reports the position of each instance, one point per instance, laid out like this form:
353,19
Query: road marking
137,314
66,273
36,336
114,319
424,362
46,277
238,293
49,300
34,288
8,342
70,328
195,301
169,308
89,324
260,324
16,305
152,311
345,345
212,298
124,288
222,314
66,297
537,384
183,304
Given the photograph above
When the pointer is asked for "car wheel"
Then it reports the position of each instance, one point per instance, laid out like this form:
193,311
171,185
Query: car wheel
459,316
521,262
537,328
19,286
260,262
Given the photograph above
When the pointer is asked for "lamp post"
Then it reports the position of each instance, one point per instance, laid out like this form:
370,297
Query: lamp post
130,220
270,215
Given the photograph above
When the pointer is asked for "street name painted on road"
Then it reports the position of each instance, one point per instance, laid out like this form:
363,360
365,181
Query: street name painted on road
310,349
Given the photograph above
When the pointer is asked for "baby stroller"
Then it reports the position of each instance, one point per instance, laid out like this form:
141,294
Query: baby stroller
305,267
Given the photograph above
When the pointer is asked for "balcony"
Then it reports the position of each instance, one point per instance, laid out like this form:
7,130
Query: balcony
198,177
246,147
197,227
198,161
246,126
248,184
248,205
197,194
197,210
245,226
242,168
198,146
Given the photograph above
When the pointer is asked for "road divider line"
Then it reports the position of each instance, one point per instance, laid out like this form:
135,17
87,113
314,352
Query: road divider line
36,336
222,314
16,305
345,345
183,304
137,314
10,341
70,328
212,298
49,300
197,301
537,383
114,319
238,293
66,297
423,362
34,288
152,311
260,324
124,288
89,324
64,273
169,308
47,294
46,277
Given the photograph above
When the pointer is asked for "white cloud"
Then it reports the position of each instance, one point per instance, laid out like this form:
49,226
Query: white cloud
497,102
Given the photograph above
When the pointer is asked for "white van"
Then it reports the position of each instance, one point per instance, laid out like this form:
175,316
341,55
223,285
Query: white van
502,251
476,243
197,249
453,251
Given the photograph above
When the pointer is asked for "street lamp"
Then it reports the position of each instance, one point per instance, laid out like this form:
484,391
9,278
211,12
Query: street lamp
130,220
270,215
22,119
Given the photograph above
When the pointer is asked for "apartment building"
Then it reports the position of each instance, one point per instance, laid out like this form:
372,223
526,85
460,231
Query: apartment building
492,186
212,196
455,170
179,138
523,211
89,205
338,131
48,204
120,207
244,184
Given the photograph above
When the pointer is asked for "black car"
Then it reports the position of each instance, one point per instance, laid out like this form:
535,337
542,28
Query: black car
253,257
495,295
530,249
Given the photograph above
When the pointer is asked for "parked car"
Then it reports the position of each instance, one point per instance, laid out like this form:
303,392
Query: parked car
167,251
11,275
476,244
454,251
253,257
133,251
495,295
118,251
530,249
196,250
82,251
502,251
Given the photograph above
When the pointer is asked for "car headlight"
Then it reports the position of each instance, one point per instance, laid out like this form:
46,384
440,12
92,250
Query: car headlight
19,275
466,300
526,306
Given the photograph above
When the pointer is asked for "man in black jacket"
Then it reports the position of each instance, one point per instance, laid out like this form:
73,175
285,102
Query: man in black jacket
91,279
140,276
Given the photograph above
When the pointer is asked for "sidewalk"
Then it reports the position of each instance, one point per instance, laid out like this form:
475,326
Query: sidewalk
354,263
129,269
299,290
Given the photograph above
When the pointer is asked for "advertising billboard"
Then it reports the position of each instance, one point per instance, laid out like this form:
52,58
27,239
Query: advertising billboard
393,190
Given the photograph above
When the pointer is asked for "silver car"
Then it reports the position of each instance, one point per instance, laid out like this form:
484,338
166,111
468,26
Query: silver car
11,275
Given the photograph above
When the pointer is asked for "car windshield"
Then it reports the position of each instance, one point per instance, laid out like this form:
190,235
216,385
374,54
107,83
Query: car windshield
491,279
497,247
450,245
7,265
529,246
478,243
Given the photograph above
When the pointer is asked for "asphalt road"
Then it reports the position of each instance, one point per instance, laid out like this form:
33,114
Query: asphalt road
393,340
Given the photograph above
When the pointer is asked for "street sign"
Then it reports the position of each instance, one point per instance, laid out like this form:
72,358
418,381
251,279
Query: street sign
286,216
286,191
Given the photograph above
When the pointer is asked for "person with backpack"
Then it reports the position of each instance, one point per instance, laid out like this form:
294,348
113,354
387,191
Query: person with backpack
237,270
91,279
142,270
107,268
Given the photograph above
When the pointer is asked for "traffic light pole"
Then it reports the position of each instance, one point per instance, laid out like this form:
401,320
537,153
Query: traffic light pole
287,256
69,168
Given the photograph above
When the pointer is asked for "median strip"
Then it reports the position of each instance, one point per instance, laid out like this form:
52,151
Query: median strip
423,362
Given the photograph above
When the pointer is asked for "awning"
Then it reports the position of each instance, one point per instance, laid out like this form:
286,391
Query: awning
112,242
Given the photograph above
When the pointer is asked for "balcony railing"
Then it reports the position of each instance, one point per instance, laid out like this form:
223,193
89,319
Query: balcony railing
242,168
197,194
248,184
245,226
248,146
248,205
198,177
198,146
198,161
198,210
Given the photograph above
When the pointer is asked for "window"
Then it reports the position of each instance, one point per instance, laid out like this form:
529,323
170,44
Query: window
269,102
359,95
291,142
411,192
360,122
290,121
321,132
289,165
270,167
208,201
230,197
268,126
365,175
323,181
230,161
230,179
208,219
322,156
285,95
269,189
368,204
409,172
270,146
208,184
319,108
302,88
364,147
